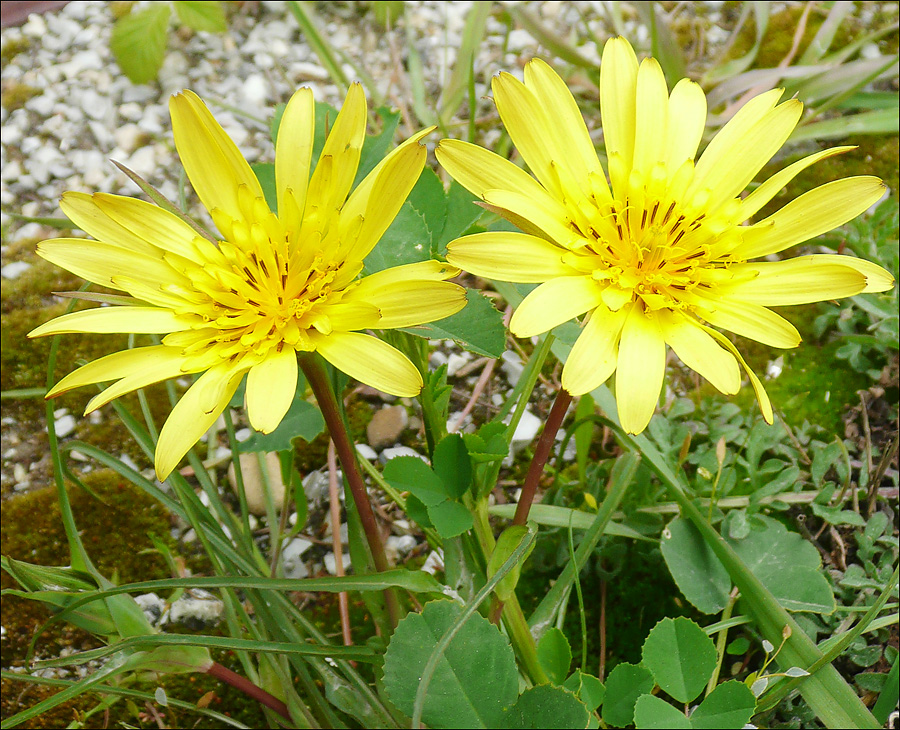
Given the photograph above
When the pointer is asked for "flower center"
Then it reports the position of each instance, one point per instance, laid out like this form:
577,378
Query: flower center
258,291
656,250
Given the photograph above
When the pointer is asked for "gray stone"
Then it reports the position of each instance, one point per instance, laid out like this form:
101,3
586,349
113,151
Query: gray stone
253,482
386,426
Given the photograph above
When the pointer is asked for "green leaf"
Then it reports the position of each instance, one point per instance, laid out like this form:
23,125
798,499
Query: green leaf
406,241
417,511
626,682
697,572
584,435
138,42
199,15
506,544
547,706
413,234
730,705
462,214
463,692
652,712
587,687
837,516
375,146
450,518
478,327
411,474
303,420
879,121
789,566
681,657
452,465
554,654
325,116
265,173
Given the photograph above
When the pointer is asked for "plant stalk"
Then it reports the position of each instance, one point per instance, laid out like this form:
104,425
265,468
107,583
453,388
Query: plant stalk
541,454
318,381
224,674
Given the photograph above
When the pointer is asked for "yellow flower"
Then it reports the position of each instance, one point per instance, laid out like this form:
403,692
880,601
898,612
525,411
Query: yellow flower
273,286
657,253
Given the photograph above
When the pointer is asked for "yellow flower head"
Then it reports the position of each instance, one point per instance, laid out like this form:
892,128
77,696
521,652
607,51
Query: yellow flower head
656,253
273,286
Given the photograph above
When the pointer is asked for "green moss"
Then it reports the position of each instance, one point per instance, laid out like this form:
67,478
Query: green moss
13,47
779,37
15,95
33,533
814,384
874,155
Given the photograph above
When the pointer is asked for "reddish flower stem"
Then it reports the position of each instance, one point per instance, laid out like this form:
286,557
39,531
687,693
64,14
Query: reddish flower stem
541,454
224,674
321,388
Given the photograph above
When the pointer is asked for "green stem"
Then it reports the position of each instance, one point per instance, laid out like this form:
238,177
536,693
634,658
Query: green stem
321,388
721,642
541,454
520,635
303,13
620,479
826,692
78,556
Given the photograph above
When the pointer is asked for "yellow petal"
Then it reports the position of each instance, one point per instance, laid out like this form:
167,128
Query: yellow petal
193,415
328,188
696,349
293,148
429,270
593,358
652,99
388,193
771,187
270,389
528,127
509,256
358,201
213,163
100,261
750,320
733,164
370,361
687,120
556,229
136,320
479,170
798,281
618,86
160,229
572,137
118,365
877,278
813,213
765,405
84,212
410,303
346,315
153,369
640,369
553,303
728,144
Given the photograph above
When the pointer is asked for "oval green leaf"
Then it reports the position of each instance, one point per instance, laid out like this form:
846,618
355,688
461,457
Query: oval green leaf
625,684
681,657
476,681
652,712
